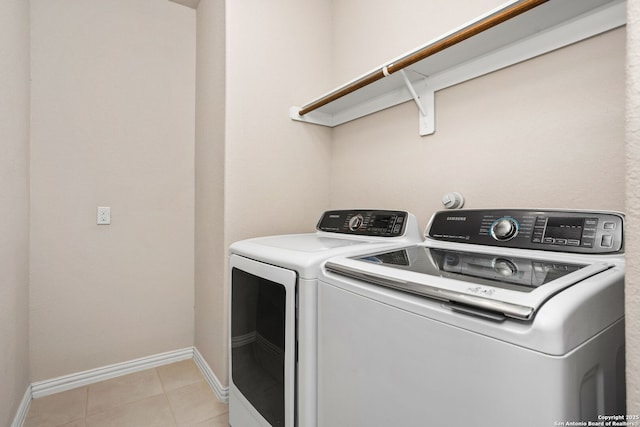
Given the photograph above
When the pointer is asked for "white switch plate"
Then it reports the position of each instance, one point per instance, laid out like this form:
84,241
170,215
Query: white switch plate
104,215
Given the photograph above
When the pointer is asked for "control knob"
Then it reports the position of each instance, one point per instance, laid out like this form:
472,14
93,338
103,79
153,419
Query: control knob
504,229
356,222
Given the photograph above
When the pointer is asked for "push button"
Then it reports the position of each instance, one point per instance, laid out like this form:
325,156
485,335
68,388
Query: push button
587,242
609,226
607,241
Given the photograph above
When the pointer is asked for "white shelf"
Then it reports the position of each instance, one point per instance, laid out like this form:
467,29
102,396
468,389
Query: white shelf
547,27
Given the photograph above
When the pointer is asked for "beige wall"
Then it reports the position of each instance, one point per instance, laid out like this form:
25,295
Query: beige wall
633,207
210,251
527,136
14,205
113,98
545,133
89,87
276,170
369,33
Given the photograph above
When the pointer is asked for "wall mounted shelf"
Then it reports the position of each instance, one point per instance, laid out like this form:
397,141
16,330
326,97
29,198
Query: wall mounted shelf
515,32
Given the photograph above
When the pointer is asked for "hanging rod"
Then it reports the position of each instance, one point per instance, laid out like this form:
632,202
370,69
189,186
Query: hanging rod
453,39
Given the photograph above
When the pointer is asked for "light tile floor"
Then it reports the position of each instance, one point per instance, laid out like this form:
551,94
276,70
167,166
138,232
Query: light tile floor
174,395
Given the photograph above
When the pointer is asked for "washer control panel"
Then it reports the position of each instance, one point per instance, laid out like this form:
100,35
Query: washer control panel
379,223
555,230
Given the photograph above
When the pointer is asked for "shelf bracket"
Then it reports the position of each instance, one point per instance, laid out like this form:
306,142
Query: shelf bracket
426,105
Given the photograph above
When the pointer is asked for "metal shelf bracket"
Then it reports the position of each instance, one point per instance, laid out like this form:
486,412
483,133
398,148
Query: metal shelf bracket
426,105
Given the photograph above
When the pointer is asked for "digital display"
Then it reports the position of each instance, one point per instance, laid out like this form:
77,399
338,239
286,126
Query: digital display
564,228
381,221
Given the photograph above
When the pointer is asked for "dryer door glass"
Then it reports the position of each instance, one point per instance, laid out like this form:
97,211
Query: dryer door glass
258,320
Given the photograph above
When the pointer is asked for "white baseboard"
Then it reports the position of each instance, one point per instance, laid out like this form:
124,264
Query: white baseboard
67,382
79,379
222,392
23,409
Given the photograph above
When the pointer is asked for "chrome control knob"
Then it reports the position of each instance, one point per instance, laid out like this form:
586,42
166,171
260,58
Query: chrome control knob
504,229
356,222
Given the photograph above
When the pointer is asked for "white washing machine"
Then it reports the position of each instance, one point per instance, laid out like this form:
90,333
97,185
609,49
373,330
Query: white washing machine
499,318
273,306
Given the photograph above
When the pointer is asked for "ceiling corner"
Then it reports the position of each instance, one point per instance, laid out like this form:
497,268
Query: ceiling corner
193,4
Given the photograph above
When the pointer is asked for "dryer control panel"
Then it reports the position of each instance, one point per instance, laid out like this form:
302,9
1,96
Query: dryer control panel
380,223
554,230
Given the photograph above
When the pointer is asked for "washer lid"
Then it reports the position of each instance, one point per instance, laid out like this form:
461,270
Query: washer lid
481,283
307,243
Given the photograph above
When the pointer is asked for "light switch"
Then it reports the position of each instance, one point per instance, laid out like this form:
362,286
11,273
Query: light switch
104,215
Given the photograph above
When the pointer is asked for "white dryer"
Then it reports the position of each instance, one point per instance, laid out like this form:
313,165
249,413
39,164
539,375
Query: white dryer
499,318
273,306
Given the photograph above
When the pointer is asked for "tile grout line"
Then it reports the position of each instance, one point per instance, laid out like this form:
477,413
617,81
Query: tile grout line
122,404
164,393
201,379
86,407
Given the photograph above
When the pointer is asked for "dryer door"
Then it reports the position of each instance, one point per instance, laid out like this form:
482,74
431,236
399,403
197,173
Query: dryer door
262,343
